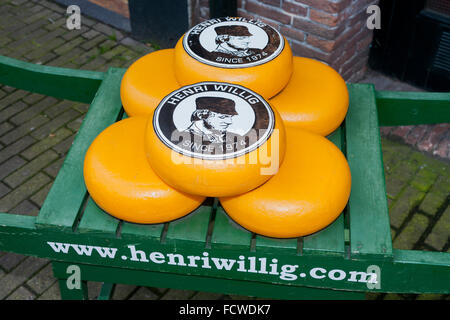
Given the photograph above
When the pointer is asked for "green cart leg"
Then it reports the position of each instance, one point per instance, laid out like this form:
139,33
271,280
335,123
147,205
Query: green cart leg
72,287
72,294
106,291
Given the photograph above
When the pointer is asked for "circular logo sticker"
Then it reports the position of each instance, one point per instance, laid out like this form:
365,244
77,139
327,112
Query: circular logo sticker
233,42
213,120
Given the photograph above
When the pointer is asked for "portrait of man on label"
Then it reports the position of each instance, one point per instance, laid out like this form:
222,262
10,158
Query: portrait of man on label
211,118
234,40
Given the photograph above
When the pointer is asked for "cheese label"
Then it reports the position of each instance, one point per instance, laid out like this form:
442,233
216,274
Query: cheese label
213,120
233,42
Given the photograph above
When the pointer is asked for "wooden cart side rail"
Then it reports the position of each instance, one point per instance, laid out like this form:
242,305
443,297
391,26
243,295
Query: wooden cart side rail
191,282
412,108
367,207
419,257
408,272
62,206
11,220
62,83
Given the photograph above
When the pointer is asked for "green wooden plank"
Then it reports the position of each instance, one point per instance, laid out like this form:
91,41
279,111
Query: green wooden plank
63,83
16,220
193,227
95,220
228,234
266,244
368,210
412,108
65,198
134,230
326,241
208,284
429,270
417,257
403,275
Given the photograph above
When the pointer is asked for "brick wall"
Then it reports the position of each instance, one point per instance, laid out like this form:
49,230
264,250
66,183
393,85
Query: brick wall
332,31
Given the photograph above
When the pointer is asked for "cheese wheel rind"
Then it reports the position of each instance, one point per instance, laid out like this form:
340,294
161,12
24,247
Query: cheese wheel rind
267,79
219,176
122,183
315,99
309,192
147,81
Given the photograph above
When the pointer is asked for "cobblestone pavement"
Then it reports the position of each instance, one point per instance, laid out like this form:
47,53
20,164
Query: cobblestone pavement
37,131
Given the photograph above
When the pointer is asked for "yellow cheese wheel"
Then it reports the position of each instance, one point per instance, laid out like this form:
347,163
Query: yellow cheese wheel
147,81
122,183
315,99
215,139
309,192
236,50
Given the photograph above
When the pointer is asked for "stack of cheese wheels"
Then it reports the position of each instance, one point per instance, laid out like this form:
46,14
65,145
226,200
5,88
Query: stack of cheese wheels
210,139
228,113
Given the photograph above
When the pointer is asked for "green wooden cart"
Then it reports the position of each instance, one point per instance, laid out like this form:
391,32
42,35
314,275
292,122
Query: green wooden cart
206,250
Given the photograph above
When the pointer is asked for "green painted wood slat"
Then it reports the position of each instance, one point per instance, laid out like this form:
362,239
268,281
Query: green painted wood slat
192,228
65,198
412,108
208,284
367,207
63,83
269,245
147,231
228,234
95,220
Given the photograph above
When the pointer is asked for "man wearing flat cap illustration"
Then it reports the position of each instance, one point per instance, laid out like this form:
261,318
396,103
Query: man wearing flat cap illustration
211,118
234,40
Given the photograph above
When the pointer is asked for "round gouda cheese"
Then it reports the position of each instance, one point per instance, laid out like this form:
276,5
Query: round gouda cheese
308,193
215,139
122,183
315,99
235,50
147,81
